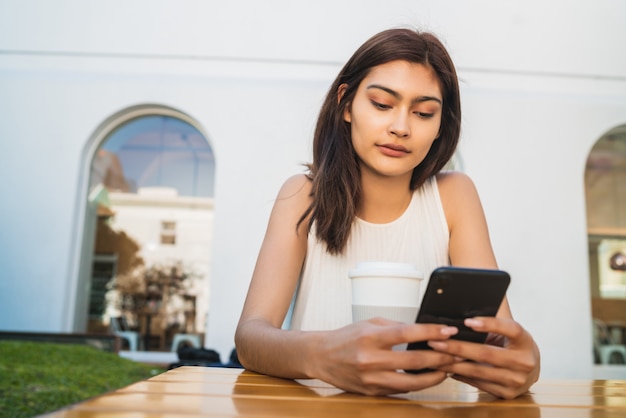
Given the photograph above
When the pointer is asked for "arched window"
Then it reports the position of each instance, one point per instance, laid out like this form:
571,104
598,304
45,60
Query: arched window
605,185
605,188
151,202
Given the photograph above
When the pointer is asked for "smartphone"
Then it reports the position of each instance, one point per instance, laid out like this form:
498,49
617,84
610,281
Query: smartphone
456,293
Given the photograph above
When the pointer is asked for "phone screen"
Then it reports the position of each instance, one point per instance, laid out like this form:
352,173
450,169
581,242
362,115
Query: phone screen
454,294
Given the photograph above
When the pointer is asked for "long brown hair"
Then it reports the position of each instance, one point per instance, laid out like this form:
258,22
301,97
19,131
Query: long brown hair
334,172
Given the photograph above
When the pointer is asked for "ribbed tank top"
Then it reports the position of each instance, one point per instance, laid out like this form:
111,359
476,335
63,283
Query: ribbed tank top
420,236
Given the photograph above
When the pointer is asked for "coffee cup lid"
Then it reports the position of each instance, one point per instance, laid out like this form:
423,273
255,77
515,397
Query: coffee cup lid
383,268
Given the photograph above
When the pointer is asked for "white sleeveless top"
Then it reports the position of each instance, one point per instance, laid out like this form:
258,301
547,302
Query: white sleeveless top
419,236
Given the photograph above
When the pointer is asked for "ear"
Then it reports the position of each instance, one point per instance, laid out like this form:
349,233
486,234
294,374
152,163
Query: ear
340,92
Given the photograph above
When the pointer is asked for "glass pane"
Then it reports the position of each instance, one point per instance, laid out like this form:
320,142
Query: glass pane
156,151
611,259
152,180
605,186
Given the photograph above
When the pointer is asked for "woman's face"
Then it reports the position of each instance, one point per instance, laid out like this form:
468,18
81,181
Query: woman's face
395,117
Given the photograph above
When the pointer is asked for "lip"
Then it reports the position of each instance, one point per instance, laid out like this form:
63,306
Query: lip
393,150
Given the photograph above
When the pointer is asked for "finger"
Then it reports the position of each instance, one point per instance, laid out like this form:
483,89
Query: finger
375,338
502,326
506,358
411,382
384,358
389,334
406,333
419,359
486,373
422,331
386,333
490,387
519,352
390,382
505,381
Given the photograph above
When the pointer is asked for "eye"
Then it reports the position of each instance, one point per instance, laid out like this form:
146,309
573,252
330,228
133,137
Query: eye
425,115
380,106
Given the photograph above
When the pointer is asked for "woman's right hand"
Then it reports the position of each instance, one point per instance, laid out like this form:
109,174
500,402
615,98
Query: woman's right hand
359,358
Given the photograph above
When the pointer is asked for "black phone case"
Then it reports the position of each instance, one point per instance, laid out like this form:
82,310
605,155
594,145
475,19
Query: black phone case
455,293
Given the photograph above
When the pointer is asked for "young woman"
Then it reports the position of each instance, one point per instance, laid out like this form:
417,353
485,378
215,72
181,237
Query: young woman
375,191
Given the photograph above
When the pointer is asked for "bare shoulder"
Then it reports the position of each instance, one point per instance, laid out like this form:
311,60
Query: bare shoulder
459,197
297,186
454,184
293,199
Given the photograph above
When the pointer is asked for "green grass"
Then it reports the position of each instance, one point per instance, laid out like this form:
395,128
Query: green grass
36,377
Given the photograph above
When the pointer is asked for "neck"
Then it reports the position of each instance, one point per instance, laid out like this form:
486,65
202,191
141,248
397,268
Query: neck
384,199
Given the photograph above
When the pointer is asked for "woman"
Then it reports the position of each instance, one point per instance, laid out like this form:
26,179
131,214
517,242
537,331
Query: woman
375,192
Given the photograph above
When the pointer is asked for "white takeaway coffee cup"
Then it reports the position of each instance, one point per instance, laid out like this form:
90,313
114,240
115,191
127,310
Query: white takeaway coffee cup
387,290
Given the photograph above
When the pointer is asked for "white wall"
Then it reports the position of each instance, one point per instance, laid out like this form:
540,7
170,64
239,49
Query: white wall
542,81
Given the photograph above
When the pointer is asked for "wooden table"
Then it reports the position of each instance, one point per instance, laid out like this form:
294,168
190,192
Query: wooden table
220,392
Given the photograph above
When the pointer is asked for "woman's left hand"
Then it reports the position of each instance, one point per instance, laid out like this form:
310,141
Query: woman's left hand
506,371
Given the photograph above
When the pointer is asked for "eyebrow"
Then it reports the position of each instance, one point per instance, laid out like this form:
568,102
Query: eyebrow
398,96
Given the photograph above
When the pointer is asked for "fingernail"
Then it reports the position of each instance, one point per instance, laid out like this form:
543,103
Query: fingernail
440,345
471,322
449,330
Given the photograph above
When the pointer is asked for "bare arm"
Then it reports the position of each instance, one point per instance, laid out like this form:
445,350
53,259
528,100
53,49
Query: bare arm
261,344
470,245
507,370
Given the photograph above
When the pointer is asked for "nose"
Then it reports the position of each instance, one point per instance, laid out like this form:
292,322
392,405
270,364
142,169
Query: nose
399,126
